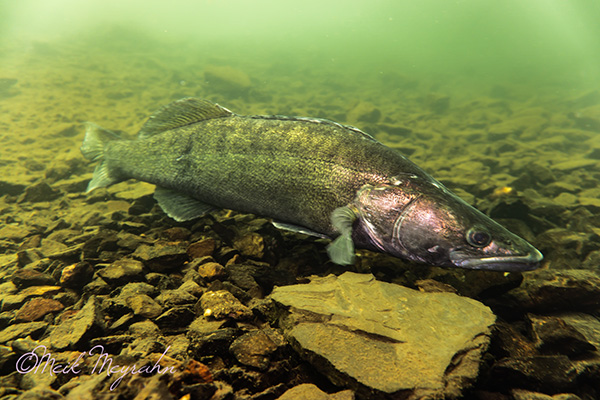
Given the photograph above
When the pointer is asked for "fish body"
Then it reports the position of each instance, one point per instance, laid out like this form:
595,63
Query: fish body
310,175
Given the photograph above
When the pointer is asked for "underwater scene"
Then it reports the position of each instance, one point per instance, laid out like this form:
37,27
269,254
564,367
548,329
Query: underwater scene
213,200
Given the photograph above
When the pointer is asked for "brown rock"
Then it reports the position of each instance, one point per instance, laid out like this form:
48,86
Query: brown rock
29,277
308,391
201,248
76,276
144,306
222,304
554,336
211,270
253,348
177,233
14,232
250,245
161,257
39,192
36,309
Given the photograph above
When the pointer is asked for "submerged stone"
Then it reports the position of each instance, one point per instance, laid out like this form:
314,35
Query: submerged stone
380,338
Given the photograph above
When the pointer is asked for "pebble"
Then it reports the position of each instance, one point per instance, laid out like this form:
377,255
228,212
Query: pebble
39,192
76,276
554,336
161,257
250,245
144,329
520,394
36,309
201,248
175,297
212,270
68,333
175,318
122,271
14,232
253,348
144,306
550,290
222,304
549,373
26,277
309,391
22,330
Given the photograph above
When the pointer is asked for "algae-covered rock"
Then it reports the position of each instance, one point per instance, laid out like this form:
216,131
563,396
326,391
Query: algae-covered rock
380,338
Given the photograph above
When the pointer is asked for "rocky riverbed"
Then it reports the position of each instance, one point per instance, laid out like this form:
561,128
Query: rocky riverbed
229,307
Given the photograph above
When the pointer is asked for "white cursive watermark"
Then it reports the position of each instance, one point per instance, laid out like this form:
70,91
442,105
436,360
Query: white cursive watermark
31,362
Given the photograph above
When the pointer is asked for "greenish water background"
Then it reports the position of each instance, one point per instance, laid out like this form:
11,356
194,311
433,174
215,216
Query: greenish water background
538,42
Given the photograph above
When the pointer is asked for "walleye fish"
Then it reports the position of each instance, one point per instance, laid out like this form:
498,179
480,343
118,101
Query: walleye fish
309,175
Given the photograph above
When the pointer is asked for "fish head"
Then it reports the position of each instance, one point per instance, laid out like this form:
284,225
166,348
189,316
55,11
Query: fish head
423,221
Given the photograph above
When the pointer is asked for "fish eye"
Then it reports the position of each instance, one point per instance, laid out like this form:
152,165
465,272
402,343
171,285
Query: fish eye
478,238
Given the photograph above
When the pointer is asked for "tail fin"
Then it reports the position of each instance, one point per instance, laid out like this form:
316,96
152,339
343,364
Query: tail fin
92,148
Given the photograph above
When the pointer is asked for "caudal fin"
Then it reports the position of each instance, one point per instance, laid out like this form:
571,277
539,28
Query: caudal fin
92,148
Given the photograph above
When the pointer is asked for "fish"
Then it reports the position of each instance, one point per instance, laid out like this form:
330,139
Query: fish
309,175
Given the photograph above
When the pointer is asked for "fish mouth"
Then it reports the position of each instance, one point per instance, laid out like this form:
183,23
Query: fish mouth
526,262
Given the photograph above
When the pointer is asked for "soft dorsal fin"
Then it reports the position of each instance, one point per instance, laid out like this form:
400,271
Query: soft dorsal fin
180,113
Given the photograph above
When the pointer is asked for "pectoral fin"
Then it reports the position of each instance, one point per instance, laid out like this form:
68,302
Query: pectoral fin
341,250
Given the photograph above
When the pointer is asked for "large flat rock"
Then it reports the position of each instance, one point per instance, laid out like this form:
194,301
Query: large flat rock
384,339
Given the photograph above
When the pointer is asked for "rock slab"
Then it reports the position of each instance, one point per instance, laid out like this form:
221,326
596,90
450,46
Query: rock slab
385,339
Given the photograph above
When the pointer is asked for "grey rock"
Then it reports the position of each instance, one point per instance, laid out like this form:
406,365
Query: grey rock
222,304
378,337
308,391
22,330
88,322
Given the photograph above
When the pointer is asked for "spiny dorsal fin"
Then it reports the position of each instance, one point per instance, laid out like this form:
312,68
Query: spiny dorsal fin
180,113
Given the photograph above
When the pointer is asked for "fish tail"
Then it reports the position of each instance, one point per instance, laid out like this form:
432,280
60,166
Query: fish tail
93,148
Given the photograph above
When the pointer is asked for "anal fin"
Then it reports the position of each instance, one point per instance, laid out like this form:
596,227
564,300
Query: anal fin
179,206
